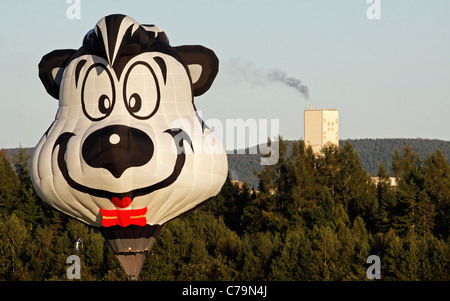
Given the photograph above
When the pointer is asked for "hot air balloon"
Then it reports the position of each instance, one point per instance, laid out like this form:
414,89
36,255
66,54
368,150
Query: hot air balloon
128,151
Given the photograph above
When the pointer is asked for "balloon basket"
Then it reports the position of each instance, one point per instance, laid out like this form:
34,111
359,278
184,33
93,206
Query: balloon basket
131,245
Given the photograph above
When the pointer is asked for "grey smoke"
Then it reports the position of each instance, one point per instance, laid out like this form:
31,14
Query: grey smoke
249,72
282,77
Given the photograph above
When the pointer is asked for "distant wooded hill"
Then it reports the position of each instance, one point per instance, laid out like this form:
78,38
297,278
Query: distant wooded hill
371,153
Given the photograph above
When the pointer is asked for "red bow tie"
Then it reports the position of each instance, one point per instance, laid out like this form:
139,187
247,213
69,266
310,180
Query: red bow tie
124,218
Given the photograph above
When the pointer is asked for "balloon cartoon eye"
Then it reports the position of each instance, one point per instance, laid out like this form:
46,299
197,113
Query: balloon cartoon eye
97,93
141,91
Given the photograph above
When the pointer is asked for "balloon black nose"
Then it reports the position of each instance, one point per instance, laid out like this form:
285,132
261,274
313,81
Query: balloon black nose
117,148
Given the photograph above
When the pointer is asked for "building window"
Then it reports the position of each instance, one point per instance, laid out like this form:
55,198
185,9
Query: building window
324,120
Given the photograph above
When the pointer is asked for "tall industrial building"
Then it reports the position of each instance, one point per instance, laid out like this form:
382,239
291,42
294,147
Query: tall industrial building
321,127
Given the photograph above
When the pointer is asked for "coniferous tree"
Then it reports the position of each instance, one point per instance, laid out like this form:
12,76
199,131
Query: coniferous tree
328,167
382,215
305,191
436,173
13,243
9,185
20,161
405,210
406,166
354,187
424,218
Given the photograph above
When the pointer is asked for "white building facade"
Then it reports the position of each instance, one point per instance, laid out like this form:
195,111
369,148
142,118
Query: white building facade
321,127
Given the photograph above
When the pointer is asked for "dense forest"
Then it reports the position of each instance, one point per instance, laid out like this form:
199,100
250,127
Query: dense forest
314,217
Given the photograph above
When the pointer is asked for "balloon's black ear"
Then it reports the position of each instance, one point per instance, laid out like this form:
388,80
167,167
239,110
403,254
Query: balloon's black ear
51,69
203,66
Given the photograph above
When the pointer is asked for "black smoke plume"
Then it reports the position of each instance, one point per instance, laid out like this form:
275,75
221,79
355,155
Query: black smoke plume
249,72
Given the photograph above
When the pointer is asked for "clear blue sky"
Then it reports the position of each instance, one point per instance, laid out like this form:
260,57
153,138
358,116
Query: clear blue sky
388,77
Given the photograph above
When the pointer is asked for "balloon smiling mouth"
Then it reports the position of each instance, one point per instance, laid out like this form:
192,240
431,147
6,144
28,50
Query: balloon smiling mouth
124,199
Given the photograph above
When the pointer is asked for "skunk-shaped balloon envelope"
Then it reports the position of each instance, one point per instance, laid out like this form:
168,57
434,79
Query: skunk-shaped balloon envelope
128,151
